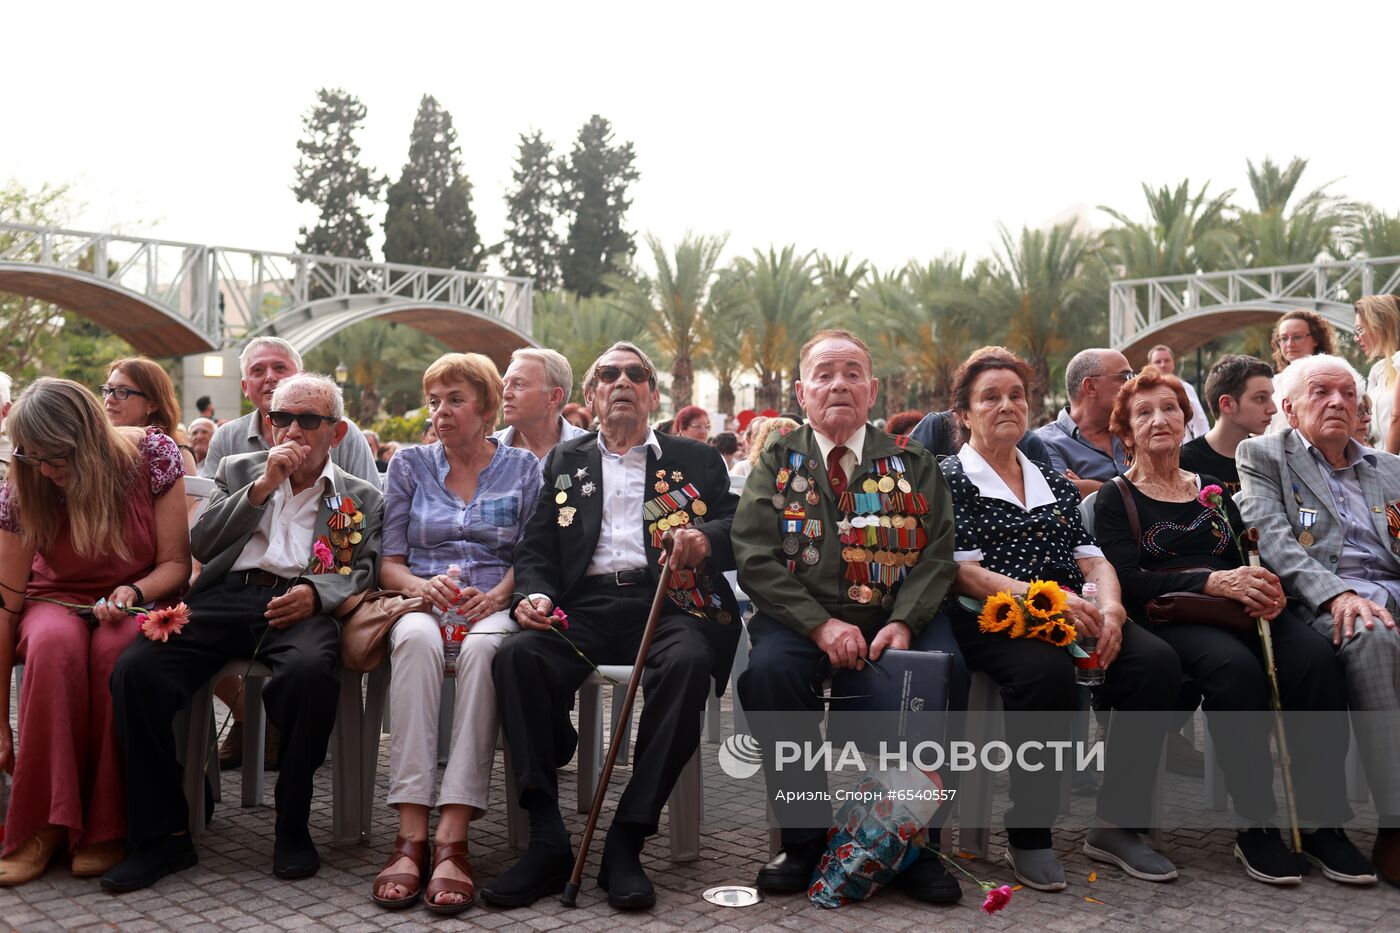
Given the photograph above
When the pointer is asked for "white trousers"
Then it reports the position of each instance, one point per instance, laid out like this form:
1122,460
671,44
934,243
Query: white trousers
415,695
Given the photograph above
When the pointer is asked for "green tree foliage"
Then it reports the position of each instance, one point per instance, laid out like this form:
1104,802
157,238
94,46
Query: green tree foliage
384,365
670,305
784,301
28,327
329,176
582,328
1033,283
921,321
532,246
1184,233
595,178
726,351
1275,234
429,221
1377,234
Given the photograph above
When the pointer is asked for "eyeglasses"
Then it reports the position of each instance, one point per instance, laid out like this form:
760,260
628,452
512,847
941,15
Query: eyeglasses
1299,338
636,374
20,456
1358,332
306,420
122,393
1121,376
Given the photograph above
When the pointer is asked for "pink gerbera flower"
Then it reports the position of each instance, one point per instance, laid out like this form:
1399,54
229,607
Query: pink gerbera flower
160,624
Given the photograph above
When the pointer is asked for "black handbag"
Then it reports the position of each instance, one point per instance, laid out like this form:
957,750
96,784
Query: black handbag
1179,607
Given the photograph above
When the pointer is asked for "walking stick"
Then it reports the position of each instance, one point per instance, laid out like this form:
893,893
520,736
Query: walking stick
621,719
1266,639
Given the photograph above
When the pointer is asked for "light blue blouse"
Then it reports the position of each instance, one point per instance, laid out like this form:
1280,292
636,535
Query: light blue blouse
430,526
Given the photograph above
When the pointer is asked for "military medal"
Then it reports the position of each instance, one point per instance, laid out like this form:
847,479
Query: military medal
791,545
588,488
869,485
813,497
810,555
799,483
1307,518
581,473
676,476
566,516
699,507
561,483
779,500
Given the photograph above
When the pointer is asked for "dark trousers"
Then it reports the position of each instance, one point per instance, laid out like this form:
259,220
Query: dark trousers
537,674
785,674
153,680
1229,671
1040,696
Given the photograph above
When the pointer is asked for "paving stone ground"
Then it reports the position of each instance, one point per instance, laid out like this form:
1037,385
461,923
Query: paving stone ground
232,887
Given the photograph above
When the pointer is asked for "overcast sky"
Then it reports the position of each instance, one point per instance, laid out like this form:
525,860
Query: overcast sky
889,131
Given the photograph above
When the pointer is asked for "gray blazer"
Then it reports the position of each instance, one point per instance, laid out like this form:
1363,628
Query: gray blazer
229,520
1270,467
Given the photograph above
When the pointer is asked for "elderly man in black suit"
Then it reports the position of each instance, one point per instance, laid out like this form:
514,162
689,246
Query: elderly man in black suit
593,548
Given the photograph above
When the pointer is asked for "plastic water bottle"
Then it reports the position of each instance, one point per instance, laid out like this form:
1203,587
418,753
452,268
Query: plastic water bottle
454,627
1088,672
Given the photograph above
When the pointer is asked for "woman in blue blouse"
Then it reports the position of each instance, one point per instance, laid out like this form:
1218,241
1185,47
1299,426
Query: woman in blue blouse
463,500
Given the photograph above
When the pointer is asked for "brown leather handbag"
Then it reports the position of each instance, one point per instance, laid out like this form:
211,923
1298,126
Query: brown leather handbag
1186,607
365,619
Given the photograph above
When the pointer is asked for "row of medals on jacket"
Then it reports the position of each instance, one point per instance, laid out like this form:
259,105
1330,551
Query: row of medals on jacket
873,567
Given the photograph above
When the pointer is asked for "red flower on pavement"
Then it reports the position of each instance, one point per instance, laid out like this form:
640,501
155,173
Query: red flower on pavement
160,624
997,898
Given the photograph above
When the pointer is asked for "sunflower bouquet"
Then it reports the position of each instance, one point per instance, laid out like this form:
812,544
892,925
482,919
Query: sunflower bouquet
1042,613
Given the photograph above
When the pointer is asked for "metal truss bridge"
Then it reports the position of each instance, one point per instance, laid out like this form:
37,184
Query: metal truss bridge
1186,311
168,298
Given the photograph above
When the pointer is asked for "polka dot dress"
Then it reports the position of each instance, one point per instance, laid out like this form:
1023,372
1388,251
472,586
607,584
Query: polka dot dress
1025,545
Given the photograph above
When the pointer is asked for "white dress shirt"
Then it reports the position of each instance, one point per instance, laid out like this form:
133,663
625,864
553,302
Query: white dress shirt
282,543
1198,424
624,486
855,444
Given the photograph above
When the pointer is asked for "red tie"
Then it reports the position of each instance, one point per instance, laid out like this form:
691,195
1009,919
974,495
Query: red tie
834,471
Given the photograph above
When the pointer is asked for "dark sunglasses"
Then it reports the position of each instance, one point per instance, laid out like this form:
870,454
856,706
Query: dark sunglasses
121,392
636,374
306,420
20,456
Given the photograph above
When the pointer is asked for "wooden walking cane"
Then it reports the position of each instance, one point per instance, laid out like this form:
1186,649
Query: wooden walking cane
621,719
1266,639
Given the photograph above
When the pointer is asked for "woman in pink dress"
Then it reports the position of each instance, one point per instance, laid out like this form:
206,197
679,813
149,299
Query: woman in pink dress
94,515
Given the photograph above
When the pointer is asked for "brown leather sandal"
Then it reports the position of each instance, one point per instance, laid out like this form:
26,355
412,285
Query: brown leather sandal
456,853
416,852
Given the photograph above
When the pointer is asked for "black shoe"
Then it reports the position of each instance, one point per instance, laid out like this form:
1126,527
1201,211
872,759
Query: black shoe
231,748
1184,758
1333,852
929,880
621,873
294,854
149,862
791,870
1265,858
541,871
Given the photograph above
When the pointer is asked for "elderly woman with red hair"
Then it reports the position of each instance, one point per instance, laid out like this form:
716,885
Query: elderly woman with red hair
693,422
1165,534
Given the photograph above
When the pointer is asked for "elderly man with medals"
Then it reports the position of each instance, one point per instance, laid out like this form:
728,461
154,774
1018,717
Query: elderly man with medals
844,541
1328,514
592,549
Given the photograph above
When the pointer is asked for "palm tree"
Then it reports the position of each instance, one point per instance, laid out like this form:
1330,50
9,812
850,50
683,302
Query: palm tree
783,304
727,320
582,329
1035,283
671,305
1272,234
383,362
1185,233
840,280
1377,233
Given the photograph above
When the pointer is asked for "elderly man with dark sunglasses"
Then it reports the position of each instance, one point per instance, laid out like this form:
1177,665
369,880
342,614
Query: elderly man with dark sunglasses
592,548
287,537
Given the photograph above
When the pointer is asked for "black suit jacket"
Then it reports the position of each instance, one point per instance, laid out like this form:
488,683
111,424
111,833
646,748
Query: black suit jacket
553,558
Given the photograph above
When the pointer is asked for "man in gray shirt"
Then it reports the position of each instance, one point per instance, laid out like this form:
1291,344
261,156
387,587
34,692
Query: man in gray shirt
1079,441
264,362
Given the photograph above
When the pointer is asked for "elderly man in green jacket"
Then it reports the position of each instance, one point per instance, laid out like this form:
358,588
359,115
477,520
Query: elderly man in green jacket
844,542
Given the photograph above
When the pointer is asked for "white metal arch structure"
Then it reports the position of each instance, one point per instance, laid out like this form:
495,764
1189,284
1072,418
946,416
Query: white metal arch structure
167,297
1186,311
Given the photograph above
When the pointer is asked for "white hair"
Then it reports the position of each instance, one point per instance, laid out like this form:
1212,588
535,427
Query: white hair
287,350
198,422
1295,375
557,371
317,383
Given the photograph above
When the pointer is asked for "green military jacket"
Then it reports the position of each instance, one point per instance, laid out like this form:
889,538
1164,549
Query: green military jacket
803,574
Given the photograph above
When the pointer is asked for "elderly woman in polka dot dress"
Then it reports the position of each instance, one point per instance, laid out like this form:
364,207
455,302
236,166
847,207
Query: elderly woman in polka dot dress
1018,521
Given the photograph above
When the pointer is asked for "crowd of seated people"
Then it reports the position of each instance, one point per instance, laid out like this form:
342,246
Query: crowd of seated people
561,519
